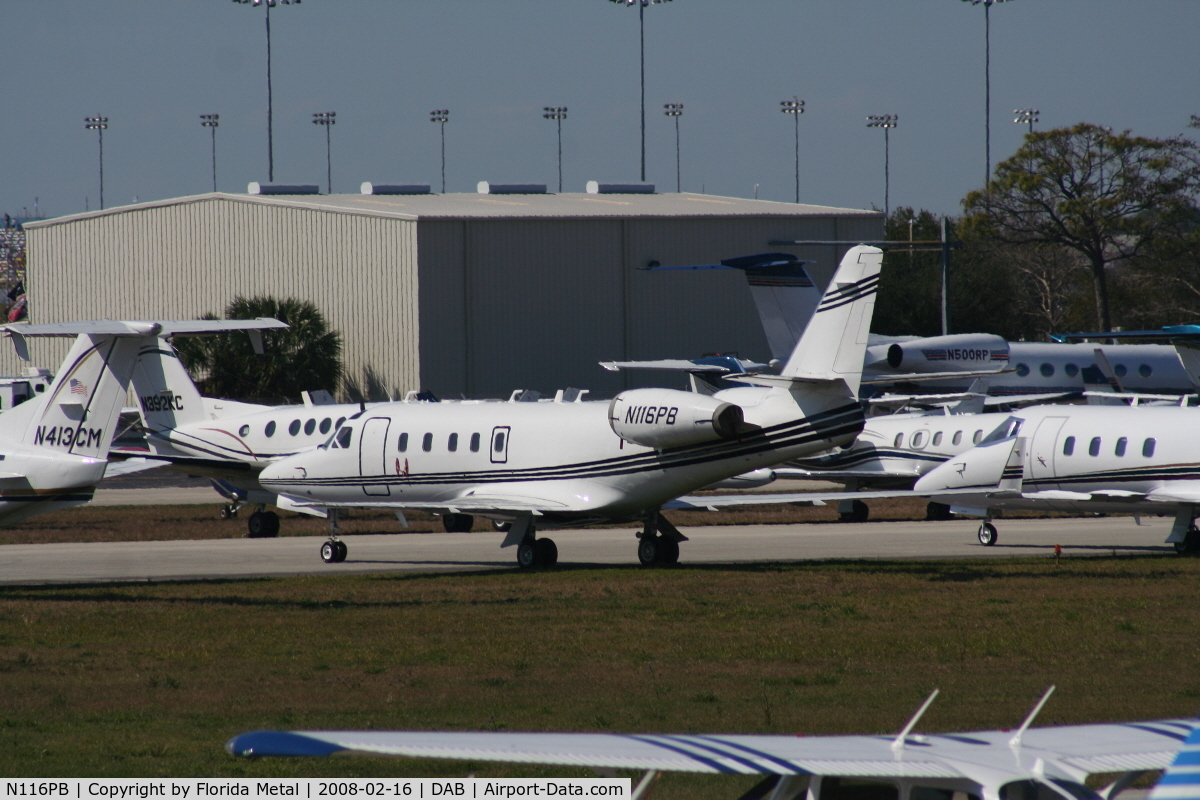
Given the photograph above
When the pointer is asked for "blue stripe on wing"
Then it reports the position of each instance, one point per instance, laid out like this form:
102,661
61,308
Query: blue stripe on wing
279,743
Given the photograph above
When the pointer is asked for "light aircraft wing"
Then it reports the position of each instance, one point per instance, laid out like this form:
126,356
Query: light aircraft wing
795,473
129,466
673,364
1026,399
204,467
1066,752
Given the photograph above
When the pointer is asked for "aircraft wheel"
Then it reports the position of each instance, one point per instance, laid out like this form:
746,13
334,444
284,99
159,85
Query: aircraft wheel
228,512
503,527
859,512
527,555
457,523
987,534
272,520
1190,544
937,511
545,552
259,525
670,551
648,550
330,552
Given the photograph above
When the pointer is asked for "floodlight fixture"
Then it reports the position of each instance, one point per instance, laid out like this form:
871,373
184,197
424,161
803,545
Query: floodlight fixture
675,110
558,114
987,83
99,125
641,4
1026,116
326,119
887,122
441,116
267,6
212,121
795,107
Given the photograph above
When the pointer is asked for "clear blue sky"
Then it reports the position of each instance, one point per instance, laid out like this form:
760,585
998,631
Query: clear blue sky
152,67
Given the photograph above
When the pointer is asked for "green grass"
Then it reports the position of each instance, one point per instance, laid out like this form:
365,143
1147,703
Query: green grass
149,680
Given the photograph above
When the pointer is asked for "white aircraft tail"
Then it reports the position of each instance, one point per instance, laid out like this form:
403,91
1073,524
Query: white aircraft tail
835,340
166,394
78,413
1181,780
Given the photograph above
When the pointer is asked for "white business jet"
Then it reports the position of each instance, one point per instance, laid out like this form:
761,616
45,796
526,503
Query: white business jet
54,447
1081,459
1049,763
545,465
225,440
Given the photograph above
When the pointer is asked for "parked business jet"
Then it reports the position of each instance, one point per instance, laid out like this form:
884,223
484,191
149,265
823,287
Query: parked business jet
54,447
1081,459
224,440
545,465
1049,763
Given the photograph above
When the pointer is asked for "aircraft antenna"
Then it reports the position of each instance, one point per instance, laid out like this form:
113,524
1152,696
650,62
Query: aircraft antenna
1016,740
898,743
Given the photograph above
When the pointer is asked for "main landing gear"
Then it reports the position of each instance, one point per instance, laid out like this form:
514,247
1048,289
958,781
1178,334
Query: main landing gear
334,550
658,543
457,523
531,551
853,511
1190,545
263,524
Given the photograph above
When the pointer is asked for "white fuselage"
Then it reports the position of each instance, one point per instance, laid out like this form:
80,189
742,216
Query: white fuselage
562,459
1104,459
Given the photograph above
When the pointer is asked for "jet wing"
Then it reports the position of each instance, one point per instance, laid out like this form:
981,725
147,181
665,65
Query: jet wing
1068,751
193,465
921,377
714,502
475,504
128,466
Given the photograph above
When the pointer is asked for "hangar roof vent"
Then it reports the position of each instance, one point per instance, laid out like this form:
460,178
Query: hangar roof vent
510,188
595,187
394,188
281,188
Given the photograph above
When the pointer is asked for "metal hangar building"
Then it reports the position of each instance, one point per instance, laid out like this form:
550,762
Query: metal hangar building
468,295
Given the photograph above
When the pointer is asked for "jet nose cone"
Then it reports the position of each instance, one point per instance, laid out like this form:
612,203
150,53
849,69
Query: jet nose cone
276,470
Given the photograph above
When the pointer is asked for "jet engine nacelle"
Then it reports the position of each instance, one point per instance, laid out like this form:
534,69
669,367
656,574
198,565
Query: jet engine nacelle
661,418
959,352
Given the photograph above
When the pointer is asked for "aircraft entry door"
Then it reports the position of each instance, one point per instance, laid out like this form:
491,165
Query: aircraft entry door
371,446
1044,447
499,449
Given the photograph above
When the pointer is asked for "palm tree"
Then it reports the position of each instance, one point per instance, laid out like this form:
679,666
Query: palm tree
306,356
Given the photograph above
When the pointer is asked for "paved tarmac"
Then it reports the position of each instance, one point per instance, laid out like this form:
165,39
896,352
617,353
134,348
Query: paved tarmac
454,552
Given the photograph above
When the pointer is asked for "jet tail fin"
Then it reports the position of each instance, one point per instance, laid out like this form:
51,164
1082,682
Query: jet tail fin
835,340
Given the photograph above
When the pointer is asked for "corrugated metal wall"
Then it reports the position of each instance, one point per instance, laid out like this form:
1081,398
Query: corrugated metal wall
510,303
179,261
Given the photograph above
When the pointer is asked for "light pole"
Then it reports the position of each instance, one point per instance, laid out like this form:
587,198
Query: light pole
211,121
795,107
987,82
1026,115
887,122
675,110
99,125
641,4
326,118
558,114
441,116
268,5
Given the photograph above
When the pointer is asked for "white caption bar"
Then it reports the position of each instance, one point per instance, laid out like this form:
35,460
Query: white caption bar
315,789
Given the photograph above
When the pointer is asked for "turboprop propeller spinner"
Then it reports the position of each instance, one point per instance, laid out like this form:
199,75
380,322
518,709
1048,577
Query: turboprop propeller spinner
546,465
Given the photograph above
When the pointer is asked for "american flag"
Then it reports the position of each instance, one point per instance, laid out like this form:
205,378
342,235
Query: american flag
78,387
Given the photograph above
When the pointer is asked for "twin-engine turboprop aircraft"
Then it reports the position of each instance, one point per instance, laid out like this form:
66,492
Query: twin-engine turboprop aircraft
54,448
1049,763
227,441
544,465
